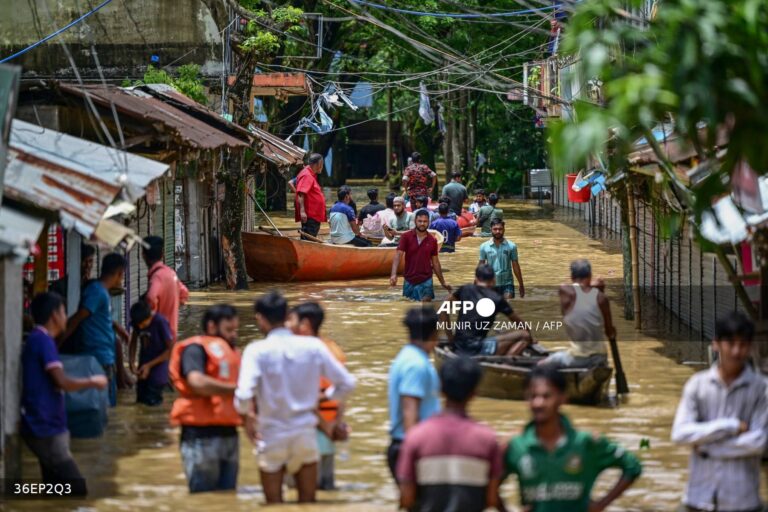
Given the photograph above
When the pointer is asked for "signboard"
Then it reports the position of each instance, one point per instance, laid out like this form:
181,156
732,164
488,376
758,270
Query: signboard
9,93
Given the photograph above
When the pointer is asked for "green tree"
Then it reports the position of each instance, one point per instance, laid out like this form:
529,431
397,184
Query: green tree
701,65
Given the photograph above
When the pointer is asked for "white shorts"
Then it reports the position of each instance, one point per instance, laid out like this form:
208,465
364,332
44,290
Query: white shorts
291,451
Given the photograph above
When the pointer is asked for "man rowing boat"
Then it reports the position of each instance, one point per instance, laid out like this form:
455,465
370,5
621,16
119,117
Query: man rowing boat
469,334
586,315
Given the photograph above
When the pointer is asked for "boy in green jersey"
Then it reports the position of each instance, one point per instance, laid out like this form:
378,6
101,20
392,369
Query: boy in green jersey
558,465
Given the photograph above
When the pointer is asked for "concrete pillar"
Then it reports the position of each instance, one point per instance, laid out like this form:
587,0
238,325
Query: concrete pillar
11,309
73,271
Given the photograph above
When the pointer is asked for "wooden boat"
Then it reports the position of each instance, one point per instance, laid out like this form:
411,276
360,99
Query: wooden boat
270,257
504,378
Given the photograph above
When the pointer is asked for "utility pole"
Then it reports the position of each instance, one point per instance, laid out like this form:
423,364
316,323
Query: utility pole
388,158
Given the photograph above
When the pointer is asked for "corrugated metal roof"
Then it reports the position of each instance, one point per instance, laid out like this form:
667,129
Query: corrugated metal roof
185,128
110,165
18,233
79,199
276,150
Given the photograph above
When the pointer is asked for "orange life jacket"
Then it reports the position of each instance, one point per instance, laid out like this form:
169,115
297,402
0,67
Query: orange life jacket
329,409
222,363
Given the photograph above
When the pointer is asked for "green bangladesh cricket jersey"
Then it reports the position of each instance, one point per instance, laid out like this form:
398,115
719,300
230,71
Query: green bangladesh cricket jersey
562,480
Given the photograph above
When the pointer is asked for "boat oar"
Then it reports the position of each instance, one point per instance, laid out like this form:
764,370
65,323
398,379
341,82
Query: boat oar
622,387
265,213
310,237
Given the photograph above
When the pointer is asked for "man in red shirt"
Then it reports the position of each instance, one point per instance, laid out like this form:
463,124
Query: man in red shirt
165,292
310,200
420,251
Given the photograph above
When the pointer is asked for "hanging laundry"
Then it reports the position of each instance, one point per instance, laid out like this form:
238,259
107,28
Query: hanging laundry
425,110
306,143
328,163
440,119
362,95
259,114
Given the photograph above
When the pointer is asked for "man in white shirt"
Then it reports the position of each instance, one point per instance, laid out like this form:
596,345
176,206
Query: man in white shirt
280,376
723,416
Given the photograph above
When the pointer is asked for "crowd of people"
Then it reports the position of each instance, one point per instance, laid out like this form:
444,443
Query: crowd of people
287,392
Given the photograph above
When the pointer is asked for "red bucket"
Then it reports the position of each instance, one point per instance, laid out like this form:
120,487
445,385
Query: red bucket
582,196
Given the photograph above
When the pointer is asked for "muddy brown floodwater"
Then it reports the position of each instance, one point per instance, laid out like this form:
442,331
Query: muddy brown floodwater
136,465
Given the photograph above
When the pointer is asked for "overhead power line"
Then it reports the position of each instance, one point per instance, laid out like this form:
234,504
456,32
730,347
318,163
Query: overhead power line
56,33
456,14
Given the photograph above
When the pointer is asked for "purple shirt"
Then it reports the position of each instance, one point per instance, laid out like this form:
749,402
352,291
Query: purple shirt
449,228
153,342
42,403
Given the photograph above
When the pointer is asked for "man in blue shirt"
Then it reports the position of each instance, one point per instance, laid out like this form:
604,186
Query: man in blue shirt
93,321
344,228
501,255
414,387
43,417
449,228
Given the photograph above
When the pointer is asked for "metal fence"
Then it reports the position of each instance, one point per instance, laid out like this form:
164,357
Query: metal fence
687,282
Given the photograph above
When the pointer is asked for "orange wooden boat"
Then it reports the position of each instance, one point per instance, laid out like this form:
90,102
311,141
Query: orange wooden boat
275,258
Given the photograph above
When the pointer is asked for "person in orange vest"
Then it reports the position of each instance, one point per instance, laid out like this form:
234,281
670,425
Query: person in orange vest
305,320
204,370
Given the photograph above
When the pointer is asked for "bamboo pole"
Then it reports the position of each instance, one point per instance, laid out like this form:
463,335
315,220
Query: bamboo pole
738,286
632,218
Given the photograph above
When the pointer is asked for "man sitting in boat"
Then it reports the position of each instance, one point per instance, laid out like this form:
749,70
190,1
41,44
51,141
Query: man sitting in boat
344,228
402,221
373,226
469,335
422,203
586,315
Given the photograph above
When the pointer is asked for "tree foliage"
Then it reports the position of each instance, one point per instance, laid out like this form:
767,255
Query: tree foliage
188,81
701,65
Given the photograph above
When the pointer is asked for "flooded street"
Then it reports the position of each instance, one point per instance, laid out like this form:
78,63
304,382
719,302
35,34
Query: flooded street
136,465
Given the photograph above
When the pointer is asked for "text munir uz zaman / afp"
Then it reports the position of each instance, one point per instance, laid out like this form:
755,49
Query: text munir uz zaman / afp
485,308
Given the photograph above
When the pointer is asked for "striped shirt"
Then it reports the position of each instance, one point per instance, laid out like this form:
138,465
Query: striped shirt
452,460
724,466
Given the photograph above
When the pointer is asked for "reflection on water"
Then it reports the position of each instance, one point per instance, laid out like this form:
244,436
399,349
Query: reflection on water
136,465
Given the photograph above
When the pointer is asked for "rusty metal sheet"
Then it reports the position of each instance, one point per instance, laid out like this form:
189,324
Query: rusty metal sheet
131,172
79,199
278,151
185,128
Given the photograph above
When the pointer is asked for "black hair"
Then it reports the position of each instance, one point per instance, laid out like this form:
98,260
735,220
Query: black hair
111,264
314,158
416,157
272,306
140,311
421,212
424,200
311,311
444,199
218,313
44,305
455,175
442,208
734,325
548,373
342,193
390,200
496,221
154,252
421,323
459,377
86,251
479,191
493,199
484,272
580,269
373,194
